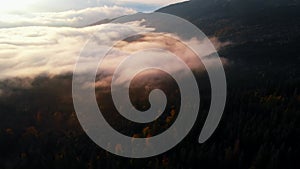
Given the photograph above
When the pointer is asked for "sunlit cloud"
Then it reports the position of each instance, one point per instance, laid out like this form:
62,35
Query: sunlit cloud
49,51
70,18
32,51
166,42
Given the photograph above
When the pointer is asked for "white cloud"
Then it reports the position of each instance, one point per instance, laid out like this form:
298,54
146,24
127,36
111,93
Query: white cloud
165,42
73,18
33,51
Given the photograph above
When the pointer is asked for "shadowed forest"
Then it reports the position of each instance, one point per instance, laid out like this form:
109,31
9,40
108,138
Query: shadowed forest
260,127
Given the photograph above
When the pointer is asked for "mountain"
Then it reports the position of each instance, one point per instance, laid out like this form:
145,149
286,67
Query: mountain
104,21
262,32
259,127
227,17
231,8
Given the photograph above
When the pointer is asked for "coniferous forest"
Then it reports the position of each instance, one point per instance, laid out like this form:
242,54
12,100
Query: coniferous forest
259,129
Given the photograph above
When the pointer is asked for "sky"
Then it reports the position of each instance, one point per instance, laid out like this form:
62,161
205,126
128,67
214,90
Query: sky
59,6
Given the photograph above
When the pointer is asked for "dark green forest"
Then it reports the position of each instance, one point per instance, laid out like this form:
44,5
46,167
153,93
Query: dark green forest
260,127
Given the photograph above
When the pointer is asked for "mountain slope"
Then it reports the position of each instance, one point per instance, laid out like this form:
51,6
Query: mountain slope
262,32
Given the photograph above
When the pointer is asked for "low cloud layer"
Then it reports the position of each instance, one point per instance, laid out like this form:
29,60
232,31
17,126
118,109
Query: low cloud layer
34,51
165,42
71,18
